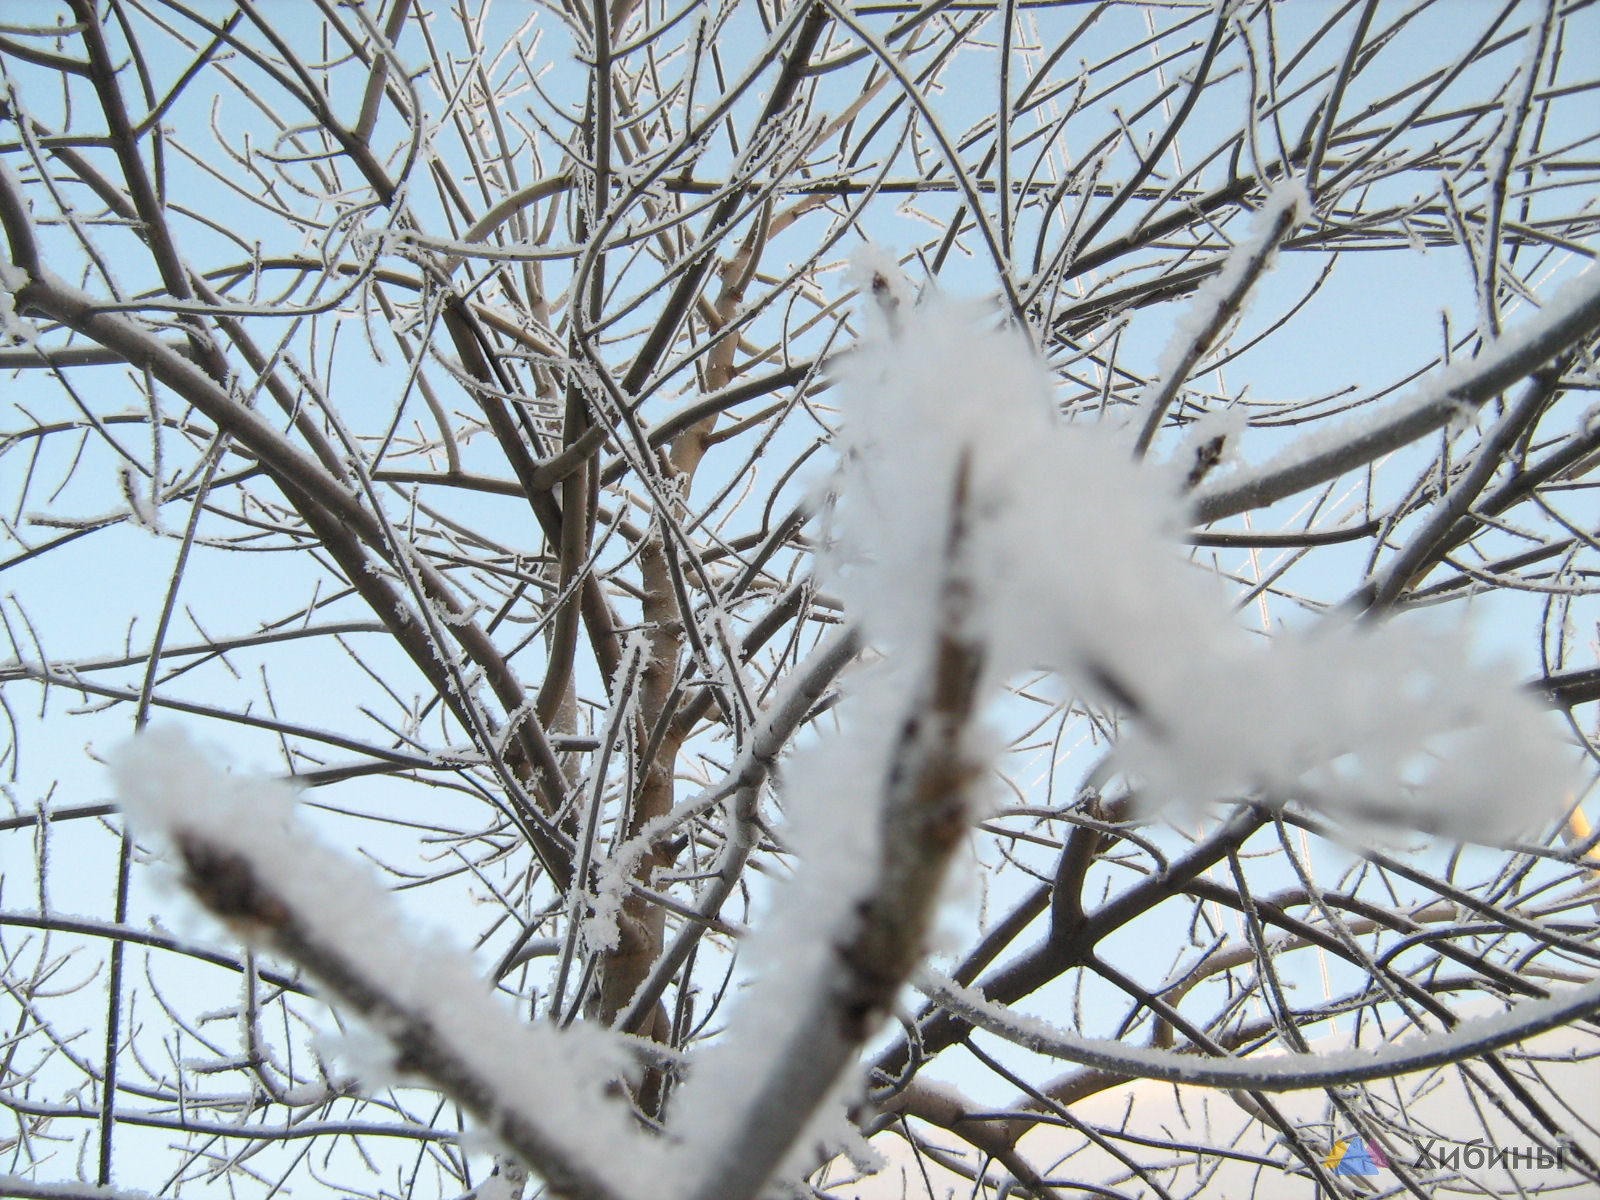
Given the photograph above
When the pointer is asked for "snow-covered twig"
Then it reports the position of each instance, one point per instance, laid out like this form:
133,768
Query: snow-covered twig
247,858
1219,300
1266,1073
18,1188
1571,317
851,929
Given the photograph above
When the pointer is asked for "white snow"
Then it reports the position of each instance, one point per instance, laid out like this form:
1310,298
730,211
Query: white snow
555,1080
15,330
140,508
1071,555
1465,383
1392,724
1077,570
1074,565
834,826
1266,1072
1243,264
22,1186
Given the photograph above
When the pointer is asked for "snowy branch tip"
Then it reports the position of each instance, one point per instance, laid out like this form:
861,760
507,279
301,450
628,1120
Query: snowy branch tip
1075,567
546,1093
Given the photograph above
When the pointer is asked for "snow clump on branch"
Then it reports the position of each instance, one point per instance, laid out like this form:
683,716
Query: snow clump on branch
245,852
1076,568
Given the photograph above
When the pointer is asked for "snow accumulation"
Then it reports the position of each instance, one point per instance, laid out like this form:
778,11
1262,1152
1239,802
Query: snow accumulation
1076,568
1571,314
1266,1072
553,1079
1072,560
1221,298
28,1189
14,328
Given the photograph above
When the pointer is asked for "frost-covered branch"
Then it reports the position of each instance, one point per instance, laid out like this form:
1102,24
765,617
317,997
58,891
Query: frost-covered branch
899,802
1218,301
1401,728
467,416
740,792
251,862
26,1189
1568,321
1276,1072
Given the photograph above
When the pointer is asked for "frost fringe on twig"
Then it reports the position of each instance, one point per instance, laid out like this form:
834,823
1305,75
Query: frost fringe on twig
1568,319
252,862
1392,724
1271,1072
1217,302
